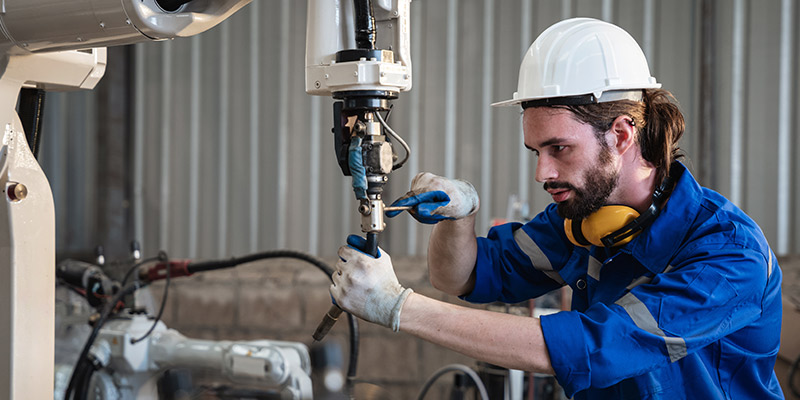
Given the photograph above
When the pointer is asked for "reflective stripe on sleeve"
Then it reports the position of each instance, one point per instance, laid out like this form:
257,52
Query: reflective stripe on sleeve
676,346
537,257
769,264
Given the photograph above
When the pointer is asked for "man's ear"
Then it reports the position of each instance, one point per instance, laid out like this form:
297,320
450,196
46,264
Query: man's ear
622,134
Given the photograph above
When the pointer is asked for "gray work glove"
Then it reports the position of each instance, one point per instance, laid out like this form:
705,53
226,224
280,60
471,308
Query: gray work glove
366,286
434,198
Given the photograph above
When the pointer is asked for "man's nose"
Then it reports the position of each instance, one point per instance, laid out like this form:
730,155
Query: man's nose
545,170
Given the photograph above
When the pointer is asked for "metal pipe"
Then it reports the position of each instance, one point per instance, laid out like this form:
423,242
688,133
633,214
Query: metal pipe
523,154
194,145
223,131
283,126
450,91
784,127
737,103
647,35
486,123
315,152
138,143
707,115
165,154
608,11
255,123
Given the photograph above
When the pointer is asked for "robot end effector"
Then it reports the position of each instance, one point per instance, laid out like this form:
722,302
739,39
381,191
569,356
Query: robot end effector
361,57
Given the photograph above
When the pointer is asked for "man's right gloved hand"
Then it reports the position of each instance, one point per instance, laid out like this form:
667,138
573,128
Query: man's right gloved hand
433,198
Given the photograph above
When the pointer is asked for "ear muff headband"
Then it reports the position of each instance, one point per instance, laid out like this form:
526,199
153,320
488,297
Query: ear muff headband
617,225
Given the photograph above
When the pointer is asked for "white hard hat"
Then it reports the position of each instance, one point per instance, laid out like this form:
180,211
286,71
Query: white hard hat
582,61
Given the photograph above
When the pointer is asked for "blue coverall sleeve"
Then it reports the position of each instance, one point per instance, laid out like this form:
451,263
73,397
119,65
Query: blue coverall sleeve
713,292
517,262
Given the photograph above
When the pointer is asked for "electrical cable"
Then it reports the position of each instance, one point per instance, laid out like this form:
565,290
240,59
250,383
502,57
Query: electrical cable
82,358
328,270
165,258
454,367
792,372
396,137
137,266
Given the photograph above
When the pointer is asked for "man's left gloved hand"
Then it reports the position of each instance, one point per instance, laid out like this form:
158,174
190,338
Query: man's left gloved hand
367,287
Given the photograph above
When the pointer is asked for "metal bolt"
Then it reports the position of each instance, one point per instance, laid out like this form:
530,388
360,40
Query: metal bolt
102,24
317,84
355,73
364,209
17,192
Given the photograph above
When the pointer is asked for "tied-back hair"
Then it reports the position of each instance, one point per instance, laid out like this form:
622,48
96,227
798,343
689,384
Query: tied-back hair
658,119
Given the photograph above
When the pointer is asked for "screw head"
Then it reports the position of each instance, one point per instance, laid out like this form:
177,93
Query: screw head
17,192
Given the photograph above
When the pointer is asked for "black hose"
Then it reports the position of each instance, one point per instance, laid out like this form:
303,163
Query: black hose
202,266
371,247
365,24
792,372
83,359
232,262
352,364
31,109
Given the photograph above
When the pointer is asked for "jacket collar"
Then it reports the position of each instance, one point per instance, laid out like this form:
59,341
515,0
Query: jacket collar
657,244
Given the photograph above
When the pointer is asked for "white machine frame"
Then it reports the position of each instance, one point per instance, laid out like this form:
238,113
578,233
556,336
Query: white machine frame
44,45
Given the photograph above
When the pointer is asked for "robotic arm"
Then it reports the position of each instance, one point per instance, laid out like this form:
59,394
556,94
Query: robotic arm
284,367
54,45
362,58
35,26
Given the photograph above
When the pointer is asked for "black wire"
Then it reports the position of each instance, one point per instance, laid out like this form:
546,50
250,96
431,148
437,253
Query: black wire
82,358
232,262
137,266
83,392
163,301
352,365
80,379
792,372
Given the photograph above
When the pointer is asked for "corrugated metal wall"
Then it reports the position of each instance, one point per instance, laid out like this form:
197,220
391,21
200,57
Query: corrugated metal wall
231,156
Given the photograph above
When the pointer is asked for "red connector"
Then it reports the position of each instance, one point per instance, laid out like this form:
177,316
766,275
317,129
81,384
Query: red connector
159,271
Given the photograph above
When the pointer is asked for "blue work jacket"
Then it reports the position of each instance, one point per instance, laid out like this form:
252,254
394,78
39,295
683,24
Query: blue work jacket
689,309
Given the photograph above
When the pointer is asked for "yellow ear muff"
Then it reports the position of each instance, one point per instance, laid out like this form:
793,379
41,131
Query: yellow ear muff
603,222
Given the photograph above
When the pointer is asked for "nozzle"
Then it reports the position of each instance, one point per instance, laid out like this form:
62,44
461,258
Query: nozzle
327,323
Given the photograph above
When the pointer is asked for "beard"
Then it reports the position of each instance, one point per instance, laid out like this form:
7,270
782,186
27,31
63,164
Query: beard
601,179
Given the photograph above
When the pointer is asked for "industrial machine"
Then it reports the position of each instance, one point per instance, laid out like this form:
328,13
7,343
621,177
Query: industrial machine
130,355
56,45
359,53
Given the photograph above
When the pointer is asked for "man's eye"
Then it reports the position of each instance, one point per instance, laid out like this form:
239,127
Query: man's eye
557,149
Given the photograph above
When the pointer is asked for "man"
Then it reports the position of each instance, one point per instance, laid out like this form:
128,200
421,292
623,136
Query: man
677,297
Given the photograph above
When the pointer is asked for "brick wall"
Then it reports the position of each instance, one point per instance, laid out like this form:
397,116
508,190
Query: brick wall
285,299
